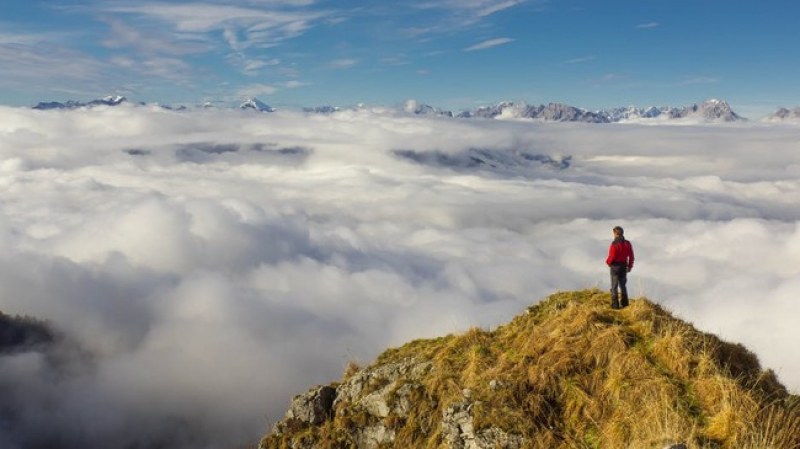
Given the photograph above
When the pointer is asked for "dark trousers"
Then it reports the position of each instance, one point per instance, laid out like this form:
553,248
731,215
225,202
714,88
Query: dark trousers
619,277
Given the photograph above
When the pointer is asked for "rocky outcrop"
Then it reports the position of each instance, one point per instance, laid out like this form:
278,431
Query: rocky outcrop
784,114
459,431
711,110
314,407
254,104
552,112
111,100
413,107
569,372
378,400
20,334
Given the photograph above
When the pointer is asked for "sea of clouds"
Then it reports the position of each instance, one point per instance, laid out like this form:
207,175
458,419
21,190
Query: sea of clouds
206,266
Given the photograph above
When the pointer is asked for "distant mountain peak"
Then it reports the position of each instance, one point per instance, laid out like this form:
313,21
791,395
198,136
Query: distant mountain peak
110,100
255,104
784,114
414,107
717,110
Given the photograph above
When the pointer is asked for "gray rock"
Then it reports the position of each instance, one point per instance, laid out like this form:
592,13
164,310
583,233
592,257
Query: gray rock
313,407
373,436
459,432
386,379
402,401
785,114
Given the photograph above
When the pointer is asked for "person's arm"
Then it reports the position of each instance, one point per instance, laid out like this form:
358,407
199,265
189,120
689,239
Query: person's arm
630,257
611,254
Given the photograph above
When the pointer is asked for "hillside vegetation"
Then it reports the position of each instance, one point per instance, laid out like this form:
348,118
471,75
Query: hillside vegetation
568,373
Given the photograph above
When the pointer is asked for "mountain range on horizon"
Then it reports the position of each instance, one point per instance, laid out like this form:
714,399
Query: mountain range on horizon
709,111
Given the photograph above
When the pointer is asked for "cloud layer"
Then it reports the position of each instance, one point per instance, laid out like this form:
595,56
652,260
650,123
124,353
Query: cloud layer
211,264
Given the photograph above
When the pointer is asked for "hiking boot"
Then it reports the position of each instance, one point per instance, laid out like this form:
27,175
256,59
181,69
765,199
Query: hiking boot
615,306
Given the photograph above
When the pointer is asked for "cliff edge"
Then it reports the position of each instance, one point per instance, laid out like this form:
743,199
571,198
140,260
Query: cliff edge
567,373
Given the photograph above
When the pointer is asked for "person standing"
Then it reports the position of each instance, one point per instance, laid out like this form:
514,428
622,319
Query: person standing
620,263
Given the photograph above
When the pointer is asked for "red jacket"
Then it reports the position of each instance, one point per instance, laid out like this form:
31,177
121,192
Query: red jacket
620,252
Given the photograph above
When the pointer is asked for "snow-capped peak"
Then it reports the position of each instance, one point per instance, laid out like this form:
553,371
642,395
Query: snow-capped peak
256,104
113,99
414,107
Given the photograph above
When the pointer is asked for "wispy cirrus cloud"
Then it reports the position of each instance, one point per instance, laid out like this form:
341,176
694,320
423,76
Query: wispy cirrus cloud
647,25
607,78
490,43
294,84
699,80
458,14
152,40
580,60
260,24
344,63
25,63
254,90
20,38
166,30
475,8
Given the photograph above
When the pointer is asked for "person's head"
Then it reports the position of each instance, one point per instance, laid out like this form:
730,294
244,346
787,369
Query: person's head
618,231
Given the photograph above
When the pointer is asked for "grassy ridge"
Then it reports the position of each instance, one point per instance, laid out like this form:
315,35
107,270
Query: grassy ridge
572,373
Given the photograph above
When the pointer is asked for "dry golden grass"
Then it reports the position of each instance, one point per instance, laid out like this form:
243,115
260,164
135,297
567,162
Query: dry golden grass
575,374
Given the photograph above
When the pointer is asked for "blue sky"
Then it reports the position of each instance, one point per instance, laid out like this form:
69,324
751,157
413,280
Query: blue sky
449,53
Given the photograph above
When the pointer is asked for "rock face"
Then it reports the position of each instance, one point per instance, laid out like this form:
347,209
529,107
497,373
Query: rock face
370,396
459,432
708,111
569,373
552,112
323,110
412,107
378,399
23,334
313,407
111,100
713,110
255,104
784,114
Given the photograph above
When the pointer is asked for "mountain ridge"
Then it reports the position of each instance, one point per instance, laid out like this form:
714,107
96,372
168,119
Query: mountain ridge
569,372
711,110
784,114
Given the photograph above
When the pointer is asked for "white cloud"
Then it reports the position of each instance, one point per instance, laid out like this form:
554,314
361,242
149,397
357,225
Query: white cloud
202,256
262,24
294,84
457,15
580,60
253,90
152,41
473,8
343,63
253,66
700,80
608,78
489,44
51,65
647,25
22,38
